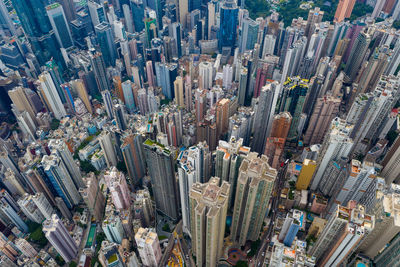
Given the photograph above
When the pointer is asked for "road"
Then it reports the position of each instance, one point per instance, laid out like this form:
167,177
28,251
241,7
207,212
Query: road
266,237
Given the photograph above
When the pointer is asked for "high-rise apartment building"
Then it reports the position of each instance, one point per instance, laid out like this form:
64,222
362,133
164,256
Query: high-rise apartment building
342,234
293,97
113,228
61,180
264,116
59,148
391,163
116,182
228,158
387,224
148,246
294,221
194,166
344,9
60,238
337,144
277,138
253,192
325,110
13,216
355,183
43,205
206,75
357,52
106,143
99,70
163,180
208,208
29,208
26,248
52,96
133,155
93,196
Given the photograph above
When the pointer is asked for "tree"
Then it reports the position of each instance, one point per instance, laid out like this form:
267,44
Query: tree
166,228
73,264
122,167
87,167
359,10
54,124
391,136
396,24
241,264
60,261
36,234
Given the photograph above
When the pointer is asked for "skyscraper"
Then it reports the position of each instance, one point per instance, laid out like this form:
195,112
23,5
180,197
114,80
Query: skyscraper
277,138
52,95
387,225
43,205
21,101
108,148
325,110
12,214
37,28
228,24
248,34
132,152
69,9
60,238
343,232
293,222
293,98
97,12
355,183
193,166
178,87
93,196
228,158
59,147
391,164
264,116
205,75
83,94
357,53
148,246
162,174
105,40
60,25
128,96
137,8
29,208
256,181
337,144
116,181
344,9
61,180
208,208
99,69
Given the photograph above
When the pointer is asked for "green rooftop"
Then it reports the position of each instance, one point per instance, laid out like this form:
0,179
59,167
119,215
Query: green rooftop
112,258
150,142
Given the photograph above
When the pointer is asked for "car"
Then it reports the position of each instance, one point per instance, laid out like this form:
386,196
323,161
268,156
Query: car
263,254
